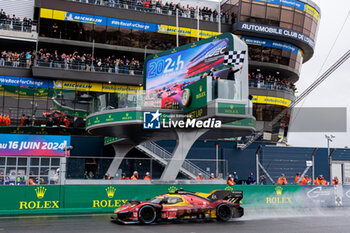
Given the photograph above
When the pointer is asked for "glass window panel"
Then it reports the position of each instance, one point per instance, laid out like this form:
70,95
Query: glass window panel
112,35
255,52
286,53
59,29
299,19
22,161
73,31
44,171
86,32
276,52
34,161
125,36
286,16
39,117
292,55
11,161
273,13
297,28
2,161
43,180
308,22
21,171
46,27
11,104
292,63
12,173
55,162
284,61
2,99
286,25
100,33
313,28
306,32
258,10
137,39
45,161
245,18
33,171
246,7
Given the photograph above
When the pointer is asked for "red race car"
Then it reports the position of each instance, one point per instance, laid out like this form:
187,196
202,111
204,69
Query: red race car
182,205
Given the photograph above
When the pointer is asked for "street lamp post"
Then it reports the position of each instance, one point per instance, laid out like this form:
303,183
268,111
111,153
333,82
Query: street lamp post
64,165
217,159
329,139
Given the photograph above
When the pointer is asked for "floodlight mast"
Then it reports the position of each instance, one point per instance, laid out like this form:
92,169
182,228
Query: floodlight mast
303,95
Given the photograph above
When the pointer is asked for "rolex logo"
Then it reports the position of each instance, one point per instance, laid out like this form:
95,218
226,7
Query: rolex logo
110,191
200,88
40,192
172,189
279,190
110,116
127,114
229,188
231,106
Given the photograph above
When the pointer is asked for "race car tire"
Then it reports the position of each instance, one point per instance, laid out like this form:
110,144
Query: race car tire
223,212
147,214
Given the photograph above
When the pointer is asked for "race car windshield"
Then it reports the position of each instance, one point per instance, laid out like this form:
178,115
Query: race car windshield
156,200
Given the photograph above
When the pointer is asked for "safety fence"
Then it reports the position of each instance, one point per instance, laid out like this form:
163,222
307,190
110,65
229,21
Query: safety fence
68,199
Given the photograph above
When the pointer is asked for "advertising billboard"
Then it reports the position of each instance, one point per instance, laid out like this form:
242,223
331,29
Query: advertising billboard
33,145
166,74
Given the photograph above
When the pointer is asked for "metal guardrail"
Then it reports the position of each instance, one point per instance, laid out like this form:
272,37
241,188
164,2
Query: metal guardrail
188,165
88,67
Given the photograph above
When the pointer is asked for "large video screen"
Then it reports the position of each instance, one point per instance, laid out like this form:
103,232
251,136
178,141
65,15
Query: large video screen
167,75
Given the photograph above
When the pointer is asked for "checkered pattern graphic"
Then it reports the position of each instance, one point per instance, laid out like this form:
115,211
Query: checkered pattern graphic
234,57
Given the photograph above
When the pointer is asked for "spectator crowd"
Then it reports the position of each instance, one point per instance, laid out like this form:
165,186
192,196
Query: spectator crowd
85,62
157,6
9,22
305,180
270,82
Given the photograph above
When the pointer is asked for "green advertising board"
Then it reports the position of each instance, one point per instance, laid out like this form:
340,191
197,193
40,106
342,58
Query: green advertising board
105,198
250,122
230,108
198,95
115,117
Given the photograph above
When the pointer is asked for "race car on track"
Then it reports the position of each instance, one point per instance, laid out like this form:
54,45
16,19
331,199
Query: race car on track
182,205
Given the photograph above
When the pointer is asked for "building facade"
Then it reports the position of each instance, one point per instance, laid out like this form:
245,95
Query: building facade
71,51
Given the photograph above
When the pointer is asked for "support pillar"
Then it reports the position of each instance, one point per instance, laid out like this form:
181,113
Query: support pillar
120,151
184,142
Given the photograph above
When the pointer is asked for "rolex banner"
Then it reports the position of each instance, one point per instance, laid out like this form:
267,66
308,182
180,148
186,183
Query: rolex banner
105,198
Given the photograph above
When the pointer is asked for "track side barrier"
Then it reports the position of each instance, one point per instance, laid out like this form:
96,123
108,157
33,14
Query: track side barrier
70,199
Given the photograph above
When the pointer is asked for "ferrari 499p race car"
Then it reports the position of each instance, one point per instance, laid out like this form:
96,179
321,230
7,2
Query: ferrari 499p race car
182,205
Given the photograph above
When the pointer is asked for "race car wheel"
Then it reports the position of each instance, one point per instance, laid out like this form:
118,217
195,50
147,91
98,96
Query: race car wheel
223,213
147,214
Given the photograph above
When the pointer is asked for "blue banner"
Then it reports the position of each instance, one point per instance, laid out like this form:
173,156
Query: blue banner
41,83
33,145
10,81
84,18
26,82
275,31
270,43
290,3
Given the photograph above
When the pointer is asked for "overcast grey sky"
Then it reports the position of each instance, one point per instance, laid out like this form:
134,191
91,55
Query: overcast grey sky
335,91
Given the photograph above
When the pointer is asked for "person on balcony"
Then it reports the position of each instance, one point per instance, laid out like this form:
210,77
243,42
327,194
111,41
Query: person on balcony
135,176
282,180
147,176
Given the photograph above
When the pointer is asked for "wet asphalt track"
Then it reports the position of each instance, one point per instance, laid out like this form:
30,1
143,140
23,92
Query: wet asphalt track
257,221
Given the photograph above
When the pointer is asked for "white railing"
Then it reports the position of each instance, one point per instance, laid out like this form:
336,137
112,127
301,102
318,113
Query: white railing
187,165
